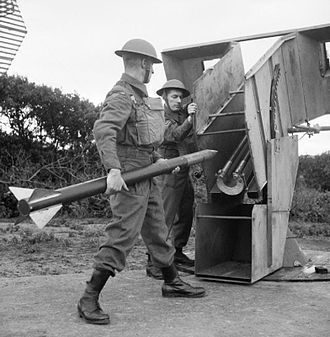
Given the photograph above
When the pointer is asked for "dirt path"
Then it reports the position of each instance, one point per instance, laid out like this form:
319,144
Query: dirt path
43,274
68,246
65,248
41,306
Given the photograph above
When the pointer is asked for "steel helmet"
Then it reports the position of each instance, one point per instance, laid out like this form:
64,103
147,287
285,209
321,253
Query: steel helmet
141,47
173,84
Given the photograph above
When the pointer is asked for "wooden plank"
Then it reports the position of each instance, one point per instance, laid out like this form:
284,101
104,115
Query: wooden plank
173,67
212,88
320,32
233,103
259,243
280,222
193,69
294,81
287,85
214,241
314,85
282,173
264,59
223,246
263,79
254,131
269,223
260,267
187,65
282,165
210,91
228,271
208,51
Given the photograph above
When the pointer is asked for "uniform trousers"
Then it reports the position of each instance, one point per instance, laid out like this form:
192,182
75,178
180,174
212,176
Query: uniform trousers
139,210
178,198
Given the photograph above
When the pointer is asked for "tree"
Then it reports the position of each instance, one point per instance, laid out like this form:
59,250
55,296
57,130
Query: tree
41,114
45,139
315,171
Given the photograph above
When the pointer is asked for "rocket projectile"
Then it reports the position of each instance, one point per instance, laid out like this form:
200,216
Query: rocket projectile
42,204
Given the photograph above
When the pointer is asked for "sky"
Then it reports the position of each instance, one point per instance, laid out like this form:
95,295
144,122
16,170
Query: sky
70,44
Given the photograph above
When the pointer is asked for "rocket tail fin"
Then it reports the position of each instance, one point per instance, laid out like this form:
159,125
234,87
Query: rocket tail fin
20,192
42,217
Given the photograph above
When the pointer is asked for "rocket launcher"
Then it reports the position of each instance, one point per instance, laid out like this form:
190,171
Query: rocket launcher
42,204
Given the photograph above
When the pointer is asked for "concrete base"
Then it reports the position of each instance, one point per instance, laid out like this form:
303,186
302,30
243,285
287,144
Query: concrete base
293,255
306,272
45,306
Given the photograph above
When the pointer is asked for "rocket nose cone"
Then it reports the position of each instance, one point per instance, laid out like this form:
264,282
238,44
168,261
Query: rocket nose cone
212,152
208,154
200,156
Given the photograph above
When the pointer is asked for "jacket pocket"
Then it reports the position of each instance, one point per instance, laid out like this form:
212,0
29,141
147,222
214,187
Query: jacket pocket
150,123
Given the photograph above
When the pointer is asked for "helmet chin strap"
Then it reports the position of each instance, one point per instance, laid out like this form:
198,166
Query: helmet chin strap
146,65
165,98
147,75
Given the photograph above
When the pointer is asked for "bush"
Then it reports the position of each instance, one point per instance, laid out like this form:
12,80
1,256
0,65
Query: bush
69,169
310,205
315,171
303,229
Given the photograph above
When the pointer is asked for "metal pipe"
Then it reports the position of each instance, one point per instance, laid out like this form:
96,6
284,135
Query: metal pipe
236,92
227,114
221,132
222,172
302,128
241,165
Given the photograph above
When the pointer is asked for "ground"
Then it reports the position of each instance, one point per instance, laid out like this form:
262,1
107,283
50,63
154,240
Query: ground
68,245
64,246
43,274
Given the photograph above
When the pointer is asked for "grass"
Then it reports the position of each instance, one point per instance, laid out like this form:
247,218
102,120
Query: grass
309,229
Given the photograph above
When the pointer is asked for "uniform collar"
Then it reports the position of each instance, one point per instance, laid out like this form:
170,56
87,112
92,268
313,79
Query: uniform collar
171,114
135,83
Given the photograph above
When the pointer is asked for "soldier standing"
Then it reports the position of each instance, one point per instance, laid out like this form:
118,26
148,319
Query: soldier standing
127,133
177,191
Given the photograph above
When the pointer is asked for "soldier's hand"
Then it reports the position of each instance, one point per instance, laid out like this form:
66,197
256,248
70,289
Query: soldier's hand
176,170
192,109
115,182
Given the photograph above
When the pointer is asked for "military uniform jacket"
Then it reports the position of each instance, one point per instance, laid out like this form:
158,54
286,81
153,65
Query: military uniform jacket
128,118
178,134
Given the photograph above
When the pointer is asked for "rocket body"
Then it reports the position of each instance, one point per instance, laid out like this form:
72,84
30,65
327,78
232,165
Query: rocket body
41,199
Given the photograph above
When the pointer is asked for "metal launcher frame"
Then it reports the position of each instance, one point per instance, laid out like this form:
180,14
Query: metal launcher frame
242,231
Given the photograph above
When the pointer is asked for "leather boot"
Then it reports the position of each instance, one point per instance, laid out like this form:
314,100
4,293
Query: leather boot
173,286
180,258
88,306
152,270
